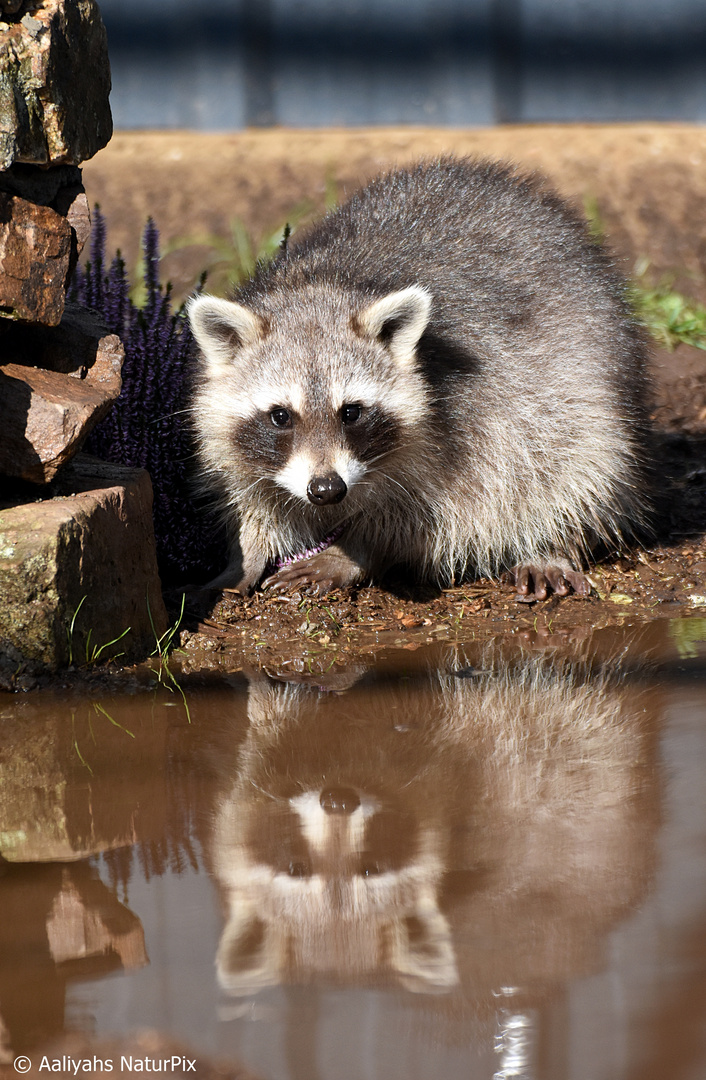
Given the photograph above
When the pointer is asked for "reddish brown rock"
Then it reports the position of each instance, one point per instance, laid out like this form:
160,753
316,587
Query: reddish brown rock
95,542
78,214
44,420
56,384
78,346
35,255
54,83
60,188
87,920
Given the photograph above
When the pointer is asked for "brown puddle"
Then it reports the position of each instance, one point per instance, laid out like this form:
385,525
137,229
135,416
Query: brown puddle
483,861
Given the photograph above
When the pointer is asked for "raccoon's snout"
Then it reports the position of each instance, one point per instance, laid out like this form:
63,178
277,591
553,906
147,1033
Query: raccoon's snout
323,490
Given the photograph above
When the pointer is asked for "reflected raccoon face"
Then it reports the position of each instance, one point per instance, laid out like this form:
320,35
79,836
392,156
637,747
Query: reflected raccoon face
335,832
330,881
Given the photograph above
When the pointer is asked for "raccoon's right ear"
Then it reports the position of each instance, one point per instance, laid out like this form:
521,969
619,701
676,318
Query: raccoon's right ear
221,328
248,955
398,320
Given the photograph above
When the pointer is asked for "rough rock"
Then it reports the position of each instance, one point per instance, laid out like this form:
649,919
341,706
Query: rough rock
59,187
92,923
54,83
45,418
35,258
56,384
39,185
78,214
80,346
87,557
49,813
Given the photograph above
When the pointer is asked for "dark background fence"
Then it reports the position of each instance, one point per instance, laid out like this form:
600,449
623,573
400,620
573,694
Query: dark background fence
230,64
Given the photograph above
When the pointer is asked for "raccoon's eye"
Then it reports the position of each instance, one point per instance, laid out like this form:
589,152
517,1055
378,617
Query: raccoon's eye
281,418
350,413
298,869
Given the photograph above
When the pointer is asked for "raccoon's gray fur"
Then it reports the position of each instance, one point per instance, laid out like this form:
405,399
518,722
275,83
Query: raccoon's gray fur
446,368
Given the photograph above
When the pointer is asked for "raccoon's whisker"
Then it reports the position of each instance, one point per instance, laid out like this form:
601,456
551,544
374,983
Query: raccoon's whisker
267,794
177,412
252,486
410,497
378,457
289,499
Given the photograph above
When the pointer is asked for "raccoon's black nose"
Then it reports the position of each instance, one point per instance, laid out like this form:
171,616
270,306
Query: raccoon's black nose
341,800
323,490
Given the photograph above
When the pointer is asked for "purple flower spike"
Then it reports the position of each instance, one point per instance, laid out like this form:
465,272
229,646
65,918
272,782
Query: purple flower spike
148,426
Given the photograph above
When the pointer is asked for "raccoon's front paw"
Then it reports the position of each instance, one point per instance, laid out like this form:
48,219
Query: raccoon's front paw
319,574
535,580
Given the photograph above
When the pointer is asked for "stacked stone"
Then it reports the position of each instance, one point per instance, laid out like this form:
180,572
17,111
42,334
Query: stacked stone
59,365
59,371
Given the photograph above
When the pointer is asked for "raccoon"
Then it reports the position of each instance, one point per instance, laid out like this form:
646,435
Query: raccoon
438,833
442,375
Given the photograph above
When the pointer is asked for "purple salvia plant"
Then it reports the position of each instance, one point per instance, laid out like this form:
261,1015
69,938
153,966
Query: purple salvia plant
148,426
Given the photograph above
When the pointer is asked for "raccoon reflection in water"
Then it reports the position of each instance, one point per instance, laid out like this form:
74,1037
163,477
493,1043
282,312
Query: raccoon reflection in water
489,840
441,375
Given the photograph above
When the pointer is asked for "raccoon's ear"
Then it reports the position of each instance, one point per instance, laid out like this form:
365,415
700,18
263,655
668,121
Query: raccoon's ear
247,958
221,328
422,950
398,320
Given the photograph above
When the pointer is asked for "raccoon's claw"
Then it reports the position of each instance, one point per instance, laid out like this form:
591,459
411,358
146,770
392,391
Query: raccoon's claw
319,574
536,582
314,583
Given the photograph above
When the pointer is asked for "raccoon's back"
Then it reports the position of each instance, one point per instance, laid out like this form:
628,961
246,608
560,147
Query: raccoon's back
522,295
474,232
511,267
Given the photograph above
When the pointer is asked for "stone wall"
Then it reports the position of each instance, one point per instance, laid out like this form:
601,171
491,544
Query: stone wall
71,535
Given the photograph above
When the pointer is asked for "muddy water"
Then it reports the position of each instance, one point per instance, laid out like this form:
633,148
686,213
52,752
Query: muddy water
472,862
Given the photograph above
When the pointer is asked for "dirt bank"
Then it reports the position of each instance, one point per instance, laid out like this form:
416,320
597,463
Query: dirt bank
648,180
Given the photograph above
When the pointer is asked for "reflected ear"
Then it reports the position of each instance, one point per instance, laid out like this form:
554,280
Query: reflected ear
246,961
423,953
398,321
272,704
222,328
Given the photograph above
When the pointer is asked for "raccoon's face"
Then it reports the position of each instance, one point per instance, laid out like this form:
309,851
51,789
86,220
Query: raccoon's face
330,844
334,882
313,394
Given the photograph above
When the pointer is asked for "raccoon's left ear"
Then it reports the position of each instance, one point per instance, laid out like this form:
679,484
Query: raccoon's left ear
221,328
398,321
